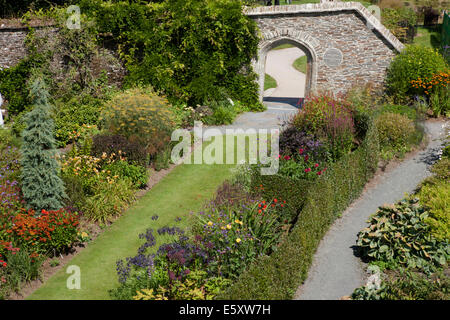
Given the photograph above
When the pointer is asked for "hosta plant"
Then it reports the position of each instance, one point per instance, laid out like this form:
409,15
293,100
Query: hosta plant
399,233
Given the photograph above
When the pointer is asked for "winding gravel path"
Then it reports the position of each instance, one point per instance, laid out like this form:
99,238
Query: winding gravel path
290,82
336,271
280,102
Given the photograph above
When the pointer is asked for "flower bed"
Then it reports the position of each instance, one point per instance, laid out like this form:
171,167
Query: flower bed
258,236
277,276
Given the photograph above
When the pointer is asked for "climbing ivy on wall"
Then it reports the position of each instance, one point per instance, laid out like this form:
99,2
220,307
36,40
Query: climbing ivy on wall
186,49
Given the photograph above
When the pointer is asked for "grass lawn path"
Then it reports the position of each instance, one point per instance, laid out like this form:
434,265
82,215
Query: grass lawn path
183,190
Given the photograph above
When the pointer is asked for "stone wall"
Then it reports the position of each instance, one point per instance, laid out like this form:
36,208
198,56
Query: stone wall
344,43
12,47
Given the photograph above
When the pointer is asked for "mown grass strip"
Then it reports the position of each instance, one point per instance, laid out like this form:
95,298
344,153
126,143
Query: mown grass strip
184,190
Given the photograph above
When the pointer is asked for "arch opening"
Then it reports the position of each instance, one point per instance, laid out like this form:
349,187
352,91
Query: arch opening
287,92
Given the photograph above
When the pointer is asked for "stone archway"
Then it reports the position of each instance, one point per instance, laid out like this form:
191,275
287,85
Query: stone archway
345,44
302,40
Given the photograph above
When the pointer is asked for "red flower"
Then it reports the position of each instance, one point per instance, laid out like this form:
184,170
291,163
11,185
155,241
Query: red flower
316,165
300,151
306,158
259,211
307,170
275,200
319,173
287,157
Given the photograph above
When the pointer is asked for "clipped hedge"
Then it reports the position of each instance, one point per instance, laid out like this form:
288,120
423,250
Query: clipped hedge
278,276
283,188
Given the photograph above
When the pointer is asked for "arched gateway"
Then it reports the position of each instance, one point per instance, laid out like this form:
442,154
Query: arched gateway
344,43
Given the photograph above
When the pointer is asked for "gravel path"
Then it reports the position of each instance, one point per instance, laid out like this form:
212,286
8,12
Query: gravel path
290,82
336,271
280,102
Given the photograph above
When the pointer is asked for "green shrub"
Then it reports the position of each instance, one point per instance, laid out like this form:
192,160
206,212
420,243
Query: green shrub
96,190
362,101
71,116
138,175
110,199
8,139
234,236
408,286
276,186
82,140
440,101
412,63
446,151
76,196
400,22
196,286
141,117
109,144
162,158
436,90
399,234
187,49
394,131
441,169
412,286
13,86
278,276
330,120
434,195
223,113
405,110
21,267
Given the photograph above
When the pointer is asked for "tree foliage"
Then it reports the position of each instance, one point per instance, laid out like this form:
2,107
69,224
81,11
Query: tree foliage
41,186
186,49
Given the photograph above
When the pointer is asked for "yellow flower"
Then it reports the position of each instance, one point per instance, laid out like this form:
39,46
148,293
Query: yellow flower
228,226
238,221
210,223
238,240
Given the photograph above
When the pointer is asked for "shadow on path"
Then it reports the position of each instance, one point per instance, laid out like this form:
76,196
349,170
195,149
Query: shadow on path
295,102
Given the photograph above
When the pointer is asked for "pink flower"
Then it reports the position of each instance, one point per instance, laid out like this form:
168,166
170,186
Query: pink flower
307,170
316,165
300,151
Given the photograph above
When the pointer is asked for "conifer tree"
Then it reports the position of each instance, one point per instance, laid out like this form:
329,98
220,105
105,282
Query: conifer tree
42,187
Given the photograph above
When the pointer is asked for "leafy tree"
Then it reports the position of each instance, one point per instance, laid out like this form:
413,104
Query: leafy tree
41,186
189,50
